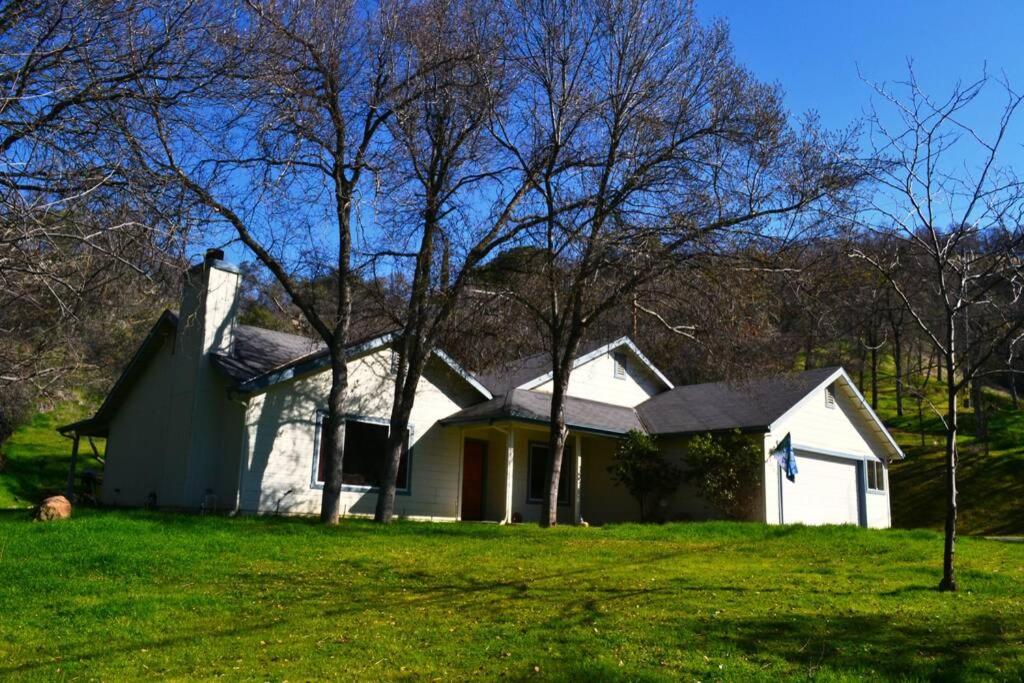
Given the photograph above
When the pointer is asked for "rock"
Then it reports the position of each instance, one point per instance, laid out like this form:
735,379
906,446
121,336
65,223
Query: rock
54,507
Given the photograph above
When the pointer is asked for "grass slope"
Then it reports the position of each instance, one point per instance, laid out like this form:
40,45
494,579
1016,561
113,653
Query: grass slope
114,595
990,484
34,461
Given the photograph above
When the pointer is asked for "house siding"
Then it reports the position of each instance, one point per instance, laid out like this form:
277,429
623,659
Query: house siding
139,459
281,429
822,430
596,380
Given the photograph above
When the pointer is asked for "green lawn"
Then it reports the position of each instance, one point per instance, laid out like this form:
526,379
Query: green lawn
124,595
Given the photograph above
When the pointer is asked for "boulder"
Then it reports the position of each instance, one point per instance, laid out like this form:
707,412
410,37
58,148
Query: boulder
54,507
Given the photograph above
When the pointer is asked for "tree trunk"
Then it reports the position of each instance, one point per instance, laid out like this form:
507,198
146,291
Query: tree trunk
920,419
980,417
897,356
409,373
948,582
556,440
334,433
874,374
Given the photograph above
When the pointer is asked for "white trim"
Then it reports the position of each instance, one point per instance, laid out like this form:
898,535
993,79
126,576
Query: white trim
840,373
817,450
463,373
596,353
296,367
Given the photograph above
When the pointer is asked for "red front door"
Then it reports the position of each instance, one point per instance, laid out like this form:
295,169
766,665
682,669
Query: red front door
474,457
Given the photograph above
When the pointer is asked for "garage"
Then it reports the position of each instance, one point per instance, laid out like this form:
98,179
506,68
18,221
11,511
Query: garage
826,491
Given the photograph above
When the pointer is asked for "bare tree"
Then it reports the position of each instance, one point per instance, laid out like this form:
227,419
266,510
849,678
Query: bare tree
453,191
656,146
279,144
951,218
69,227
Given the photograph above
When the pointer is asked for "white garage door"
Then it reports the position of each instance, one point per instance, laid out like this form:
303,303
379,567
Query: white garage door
825,491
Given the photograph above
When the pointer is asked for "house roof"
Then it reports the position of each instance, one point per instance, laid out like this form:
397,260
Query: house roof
717,406
531,371
752,405
256,351
535,406
255,355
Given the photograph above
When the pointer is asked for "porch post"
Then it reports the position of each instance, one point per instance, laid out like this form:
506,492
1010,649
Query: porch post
577,510
462,460
510,445
69,491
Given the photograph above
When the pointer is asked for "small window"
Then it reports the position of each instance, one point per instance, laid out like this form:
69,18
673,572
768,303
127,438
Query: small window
830,396
619,359
876,476
364,465
538,472
395,358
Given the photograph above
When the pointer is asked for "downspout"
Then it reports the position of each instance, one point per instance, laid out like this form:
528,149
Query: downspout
244,450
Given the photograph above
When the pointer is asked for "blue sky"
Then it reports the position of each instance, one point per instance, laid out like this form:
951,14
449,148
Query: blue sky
814,48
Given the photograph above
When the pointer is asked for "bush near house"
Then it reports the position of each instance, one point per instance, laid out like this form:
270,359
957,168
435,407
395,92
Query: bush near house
725,469
649,477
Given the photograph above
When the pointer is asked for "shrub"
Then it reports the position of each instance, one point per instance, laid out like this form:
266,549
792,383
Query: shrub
643,470
726,471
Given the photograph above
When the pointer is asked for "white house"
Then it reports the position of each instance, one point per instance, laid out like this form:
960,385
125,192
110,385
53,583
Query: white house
213,414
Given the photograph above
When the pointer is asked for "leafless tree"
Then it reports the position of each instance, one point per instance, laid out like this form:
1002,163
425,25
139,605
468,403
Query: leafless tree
279,144
453,192
951,217
69,227
656,146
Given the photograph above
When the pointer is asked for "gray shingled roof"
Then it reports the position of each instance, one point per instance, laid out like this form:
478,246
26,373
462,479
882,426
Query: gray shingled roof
535,406
257,350
752,404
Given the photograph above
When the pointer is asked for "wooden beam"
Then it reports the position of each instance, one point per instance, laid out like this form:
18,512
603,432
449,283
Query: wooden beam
69,490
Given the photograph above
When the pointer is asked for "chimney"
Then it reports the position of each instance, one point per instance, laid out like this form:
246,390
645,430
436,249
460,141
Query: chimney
209,304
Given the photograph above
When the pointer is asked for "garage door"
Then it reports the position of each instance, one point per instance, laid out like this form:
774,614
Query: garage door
825,491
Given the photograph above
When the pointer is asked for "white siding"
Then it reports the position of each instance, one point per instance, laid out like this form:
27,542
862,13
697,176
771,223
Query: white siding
841,430
281,427
596,380
138,460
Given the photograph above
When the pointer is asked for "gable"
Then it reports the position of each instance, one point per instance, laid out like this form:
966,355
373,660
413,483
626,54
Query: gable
596,379
848,427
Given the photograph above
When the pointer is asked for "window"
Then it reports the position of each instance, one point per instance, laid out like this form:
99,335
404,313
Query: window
395,359
830,396
537,467
364,463
876,476
619,359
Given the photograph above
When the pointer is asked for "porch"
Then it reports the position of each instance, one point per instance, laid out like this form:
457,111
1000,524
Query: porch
503,474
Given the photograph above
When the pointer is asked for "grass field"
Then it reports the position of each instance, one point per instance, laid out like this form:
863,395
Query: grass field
126,595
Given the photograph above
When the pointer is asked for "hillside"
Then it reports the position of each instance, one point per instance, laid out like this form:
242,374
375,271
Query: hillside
991,485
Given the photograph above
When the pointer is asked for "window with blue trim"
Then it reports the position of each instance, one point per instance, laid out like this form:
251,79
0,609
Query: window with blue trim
364,462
